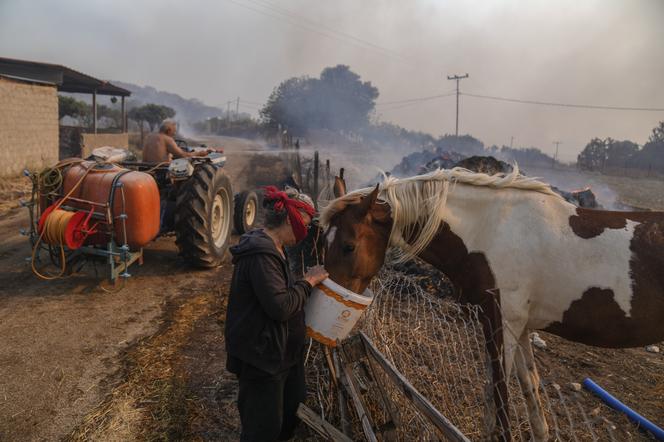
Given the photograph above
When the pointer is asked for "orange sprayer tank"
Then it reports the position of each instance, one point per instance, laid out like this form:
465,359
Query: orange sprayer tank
141,199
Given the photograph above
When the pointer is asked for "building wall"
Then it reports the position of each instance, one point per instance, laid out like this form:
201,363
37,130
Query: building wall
92,141
28,126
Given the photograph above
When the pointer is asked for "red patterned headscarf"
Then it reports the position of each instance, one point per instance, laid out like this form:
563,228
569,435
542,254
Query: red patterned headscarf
293,206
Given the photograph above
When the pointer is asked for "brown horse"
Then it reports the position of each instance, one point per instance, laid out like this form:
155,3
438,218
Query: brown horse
590,276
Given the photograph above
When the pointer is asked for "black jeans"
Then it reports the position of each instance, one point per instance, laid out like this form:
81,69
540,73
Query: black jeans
268,402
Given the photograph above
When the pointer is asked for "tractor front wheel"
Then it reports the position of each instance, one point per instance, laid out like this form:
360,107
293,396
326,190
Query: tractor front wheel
203,217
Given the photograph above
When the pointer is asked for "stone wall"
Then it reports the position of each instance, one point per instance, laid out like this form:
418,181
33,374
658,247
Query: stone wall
28,126
75,142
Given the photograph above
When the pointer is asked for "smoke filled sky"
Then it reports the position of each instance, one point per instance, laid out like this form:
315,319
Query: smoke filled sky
600,52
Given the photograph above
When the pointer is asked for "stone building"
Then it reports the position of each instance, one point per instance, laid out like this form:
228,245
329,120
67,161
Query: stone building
30,135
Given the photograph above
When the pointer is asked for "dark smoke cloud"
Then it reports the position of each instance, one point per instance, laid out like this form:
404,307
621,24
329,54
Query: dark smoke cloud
596,52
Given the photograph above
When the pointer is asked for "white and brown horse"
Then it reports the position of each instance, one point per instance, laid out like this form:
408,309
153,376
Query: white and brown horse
590,276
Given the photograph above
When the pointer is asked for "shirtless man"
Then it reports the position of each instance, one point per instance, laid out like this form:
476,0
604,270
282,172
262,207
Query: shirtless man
159,147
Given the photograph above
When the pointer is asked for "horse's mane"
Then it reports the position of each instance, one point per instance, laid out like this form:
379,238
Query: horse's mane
418,203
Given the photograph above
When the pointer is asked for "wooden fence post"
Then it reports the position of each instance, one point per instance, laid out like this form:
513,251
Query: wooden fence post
342,398
349,384
320,426
316,169
491,320
298,164
425,407
327,172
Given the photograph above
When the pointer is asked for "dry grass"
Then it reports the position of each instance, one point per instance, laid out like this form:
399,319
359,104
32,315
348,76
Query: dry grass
637,192
152,401
11,191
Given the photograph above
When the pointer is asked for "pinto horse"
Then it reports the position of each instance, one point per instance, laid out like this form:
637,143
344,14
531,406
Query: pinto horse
589,276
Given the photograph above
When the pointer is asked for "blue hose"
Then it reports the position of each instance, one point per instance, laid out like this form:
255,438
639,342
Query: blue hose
617,405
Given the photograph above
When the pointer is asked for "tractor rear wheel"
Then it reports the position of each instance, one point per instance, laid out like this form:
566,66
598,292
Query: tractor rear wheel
246,211
203,217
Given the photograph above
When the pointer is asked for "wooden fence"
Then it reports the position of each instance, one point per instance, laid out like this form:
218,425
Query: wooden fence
360,371
313,176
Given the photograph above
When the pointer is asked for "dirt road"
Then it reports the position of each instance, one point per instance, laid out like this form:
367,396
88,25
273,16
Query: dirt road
68,349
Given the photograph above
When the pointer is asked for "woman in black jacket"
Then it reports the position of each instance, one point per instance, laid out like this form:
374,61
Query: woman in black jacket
265,329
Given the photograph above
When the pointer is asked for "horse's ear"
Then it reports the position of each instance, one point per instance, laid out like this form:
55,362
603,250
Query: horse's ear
339,188
381,213
368,201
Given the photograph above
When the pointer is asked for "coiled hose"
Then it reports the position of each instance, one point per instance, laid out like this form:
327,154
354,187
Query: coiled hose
53,232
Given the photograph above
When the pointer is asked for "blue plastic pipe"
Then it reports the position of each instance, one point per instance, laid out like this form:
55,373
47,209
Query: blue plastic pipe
617,405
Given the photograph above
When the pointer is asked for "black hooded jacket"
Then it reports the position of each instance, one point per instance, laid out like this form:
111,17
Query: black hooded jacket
264,318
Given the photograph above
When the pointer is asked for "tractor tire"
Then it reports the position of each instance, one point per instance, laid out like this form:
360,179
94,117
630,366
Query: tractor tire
245,213
203,217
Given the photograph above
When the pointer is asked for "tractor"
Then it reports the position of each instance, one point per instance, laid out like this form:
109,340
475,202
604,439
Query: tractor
111,206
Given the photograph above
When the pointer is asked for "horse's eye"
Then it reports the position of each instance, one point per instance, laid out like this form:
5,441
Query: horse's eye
348,248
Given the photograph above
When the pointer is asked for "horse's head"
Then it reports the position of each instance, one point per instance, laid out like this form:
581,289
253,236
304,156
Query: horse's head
357,237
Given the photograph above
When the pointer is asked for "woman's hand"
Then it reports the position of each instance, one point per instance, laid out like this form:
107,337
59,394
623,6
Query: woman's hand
315,275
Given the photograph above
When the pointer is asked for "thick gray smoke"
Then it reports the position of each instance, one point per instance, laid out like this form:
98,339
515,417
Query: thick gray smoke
596,52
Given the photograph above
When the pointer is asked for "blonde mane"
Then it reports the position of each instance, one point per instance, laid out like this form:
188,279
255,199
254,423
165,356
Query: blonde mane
418,203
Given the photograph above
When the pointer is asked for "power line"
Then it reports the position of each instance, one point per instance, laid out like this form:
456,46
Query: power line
289,16
548,103
408,104
294,15
400,106
249,108
414,100
251,102
284,17
520,101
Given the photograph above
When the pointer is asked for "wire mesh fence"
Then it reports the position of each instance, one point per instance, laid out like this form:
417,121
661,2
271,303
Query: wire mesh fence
439,347
436,344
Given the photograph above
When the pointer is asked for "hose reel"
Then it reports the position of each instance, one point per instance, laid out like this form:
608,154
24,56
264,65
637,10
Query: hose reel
62,227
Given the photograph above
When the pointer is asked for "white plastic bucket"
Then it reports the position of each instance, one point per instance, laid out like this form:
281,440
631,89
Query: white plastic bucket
332,311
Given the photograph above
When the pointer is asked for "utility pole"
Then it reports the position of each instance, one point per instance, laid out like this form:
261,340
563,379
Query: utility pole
228,113
457,78
511,141
237,109
555,158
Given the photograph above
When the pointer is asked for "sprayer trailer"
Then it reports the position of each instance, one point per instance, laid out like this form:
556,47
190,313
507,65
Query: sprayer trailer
108,207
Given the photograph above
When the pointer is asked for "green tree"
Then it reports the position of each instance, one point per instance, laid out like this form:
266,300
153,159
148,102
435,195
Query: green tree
113,114
288,104
82,111
531,156
593,156
338,101
652,155
657,135
346,100
152,114
71,107
620,153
